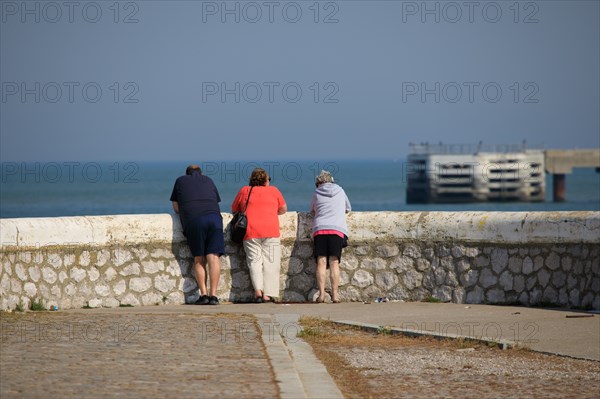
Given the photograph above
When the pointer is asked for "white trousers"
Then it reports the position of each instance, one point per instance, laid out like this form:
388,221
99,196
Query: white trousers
264,261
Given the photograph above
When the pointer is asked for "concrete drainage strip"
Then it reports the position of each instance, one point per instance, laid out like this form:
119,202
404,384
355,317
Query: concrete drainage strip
298,372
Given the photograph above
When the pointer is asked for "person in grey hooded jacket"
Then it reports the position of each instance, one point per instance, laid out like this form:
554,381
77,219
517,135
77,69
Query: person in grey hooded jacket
329,206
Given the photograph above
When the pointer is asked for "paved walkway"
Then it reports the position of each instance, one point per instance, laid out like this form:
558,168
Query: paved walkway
239,350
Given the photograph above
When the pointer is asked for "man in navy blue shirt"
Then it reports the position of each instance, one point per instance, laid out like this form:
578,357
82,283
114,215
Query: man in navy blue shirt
196,199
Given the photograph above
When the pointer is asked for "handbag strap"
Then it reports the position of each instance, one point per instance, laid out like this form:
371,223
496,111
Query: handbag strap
248,199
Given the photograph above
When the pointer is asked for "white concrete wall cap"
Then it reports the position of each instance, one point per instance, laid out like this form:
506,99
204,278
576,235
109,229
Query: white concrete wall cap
497,227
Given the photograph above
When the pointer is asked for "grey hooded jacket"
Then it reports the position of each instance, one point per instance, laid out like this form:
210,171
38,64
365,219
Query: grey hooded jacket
329,206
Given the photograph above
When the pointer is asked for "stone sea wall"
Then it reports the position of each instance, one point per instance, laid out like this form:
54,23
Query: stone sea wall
541,258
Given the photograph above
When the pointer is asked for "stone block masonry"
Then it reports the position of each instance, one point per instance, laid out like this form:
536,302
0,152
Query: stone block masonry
541,258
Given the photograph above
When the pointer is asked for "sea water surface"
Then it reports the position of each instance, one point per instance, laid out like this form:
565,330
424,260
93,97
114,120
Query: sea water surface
50,189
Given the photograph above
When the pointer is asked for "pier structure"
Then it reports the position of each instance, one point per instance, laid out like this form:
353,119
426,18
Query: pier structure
446,173
442,173
559,163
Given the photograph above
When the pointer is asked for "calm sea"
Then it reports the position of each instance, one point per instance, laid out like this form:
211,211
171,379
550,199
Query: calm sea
91,188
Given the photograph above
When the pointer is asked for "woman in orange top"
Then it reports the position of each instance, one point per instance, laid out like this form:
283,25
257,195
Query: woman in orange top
262,242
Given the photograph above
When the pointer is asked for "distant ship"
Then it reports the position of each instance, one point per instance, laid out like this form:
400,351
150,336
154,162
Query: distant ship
442,173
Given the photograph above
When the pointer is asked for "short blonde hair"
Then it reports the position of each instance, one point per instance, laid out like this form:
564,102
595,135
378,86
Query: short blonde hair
324,177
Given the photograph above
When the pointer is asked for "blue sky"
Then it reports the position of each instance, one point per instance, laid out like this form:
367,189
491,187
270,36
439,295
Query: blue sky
170,80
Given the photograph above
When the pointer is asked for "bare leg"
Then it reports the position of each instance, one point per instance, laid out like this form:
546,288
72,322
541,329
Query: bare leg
334,268
321,275
200,273
214,270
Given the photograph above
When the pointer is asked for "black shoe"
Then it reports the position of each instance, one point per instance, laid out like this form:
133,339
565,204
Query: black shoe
203,300
213,300
258,300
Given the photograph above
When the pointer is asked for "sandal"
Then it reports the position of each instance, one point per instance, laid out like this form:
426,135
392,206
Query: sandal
258,299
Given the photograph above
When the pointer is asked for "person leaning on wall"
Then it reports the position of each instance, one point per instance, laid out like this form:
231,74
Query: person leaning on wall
262,242
196,199
329,206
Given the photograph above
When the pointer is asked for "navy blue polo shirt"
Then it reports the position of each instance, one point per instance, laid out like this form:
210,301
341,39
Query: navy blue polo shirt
196,195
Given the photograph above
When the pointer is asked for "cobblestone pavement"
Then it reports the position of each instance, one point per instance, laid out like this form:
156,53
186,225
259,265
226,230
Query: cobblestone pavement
63,355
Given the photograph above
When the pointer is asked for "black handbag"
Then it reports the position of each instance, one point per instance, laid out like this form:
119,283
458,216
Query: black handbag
239,223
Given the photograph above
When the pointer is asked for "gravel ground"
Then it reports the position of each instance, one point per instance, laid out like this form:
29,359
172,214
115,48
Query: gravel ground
401,367
432,372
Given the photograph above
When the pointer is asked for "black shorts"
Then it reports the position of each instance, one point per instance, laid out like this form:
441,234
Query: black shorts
205,235
329,245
